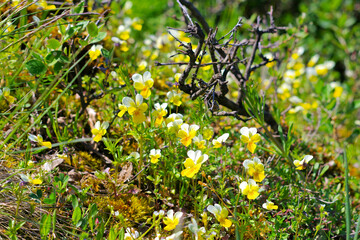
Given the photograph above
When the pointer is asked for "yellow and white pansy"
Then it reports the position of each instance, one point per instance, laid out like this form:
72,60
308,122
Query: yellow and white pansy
159,113
255,169
154,155
301,165
250,189
250,136
136,108
172,220
174,97
39,139
95,52
221,214
220,140
99,130
193,163
143,83
269,205
187,133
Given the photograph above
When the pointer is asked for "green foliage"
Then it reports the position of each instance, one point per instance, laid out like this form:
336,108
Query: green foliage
99,143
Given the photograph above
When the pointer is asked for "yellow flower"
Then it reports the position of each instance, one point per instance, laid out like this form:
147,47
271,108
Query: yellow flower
172,117
313,60
143,83
35,181
199,142
174,97
220,140
123,32
155,154
137,24
198,232
206,59
187,133
270,57
39,139
159,113
99,130
297,53
301,165
220,214
269,205
249,136
117,78
338,91
250,189
322,69
45,6
136,108
131,234
177,77
142,66
172,220
208,132
5,92
255,169
122,109
193,163
95,52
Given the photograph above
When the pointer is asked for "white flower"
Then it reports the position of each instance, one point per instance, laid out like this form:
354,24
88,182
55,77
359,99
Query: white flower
131,234
155,154
198,232
300,165
220,140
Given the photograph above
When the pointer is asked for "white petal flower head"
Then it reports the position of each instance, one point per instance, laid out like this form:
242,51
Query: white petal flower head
143,83
174,126
172,117
135,155
220,140
216,209
171,215
193,227
131,234
174,236
300,165
187,128
161,107
247,131
197,156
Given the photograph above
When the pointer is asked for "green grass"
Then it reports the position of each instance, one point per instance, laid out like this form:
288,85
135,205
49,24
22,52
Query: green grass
104,177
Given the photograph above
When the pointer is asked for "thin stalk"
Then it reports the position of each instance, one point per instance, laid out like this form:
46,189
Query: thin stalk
347,198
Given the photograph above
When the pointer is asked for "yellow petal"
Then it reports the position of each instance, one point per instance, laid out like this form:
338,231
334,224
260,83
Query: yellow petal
251,146
226,223
244,139
97,138
255,138
46,144
36,181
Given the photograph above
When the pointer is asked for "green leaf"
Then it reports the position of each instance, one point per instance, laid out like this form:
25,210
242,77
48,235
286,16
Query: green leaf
93,210
45,225
323,171
99,37
53,43
51,199
76,217
58,66
36,67
93,29
83,42
79,8
105,53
